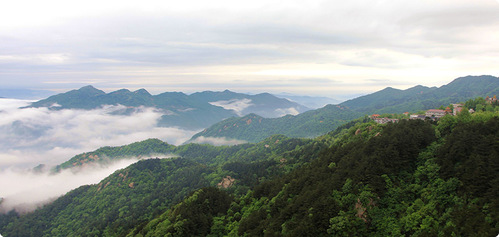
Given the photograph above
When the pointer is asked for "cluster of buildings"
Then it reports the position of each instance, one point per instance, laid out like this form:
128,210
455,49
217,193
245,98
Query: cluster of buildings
438,113
377,119
491,100
434,114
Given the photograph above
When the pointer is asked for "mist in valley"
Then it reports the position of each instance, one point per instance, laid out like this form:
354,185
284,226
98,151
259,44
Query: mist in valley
33,136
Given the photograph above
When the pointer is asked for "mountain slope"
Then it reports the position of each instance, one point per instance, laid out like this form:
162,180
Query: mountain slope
118,203
254,128
400,181
390,100
83,98
142,191
103,155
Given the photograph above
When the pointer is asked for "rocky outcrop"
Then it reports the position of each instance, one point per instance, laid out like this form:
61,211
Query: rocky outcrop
226,182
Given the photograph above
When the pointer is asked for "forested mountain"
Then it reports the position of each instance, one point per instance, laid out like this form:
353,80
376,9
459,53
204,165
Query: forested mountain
144,190
389,100
411,178
105,155
195,111
254,128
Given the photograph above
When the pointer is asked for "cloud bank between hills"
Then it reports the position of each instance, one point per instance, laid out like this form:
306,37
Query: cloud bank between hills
35,136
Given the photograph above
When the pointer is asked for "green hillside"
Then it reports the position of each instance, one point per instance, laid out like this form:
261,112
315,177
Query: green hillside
402,179
150,147
142,191
417,98
254,128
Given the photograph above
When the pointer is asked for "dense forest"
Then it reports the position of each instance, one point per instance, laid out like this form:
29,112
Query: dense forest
411,178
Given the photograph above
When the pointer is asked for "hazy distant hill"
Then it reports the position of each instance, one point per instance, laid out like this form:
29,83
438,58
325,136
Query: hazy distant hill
313,102
389,100
195,111
263,104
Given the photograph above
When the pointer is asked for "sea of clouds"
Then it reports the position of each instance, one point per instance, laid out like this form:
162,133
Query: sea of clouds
33,136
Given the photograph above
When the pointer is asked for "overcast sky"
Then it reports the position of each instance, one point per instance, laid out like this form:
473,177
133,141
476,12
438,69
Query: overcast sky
328,48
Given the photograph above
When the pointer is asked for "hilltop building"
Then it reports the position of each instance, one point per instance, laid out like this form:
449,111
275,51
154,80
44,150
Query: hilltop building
435,113
385,120
417,116
491,100
377,119
457,108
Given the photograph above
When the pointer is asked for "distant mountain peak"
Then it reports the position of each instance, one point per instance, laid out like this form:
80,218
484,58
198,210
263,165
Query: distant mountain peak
90,89
390,89
142,91
121,91
473,79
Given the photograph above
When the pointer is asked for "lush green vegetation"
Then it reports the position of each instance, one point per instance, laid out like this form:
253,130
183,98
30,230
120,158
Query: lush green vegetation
411,178
135,195
149,147
418,98
117,204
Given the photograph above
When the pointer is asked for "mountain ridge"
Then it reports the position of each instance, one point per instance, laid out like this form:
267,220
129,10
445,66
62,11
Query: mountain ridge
195,111
391,100
387,100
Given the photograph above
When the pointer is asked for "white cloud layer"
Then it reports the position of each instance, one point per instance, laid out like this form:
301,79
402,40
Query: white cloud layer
218,141
237,105
33,136
26,190
291,110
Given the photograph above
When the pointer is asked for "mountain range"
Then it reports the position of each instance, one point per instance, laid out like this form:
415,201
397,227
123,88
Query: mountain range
195,111
389,100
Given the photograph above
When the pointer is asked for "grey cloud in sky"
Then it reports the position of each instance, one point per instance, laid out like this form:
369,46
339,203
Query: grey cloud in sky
355,39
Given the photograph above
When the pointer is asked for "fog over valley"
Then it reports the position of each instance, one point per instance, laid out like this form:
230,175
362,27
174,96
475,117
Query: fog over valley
33,136
25,190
